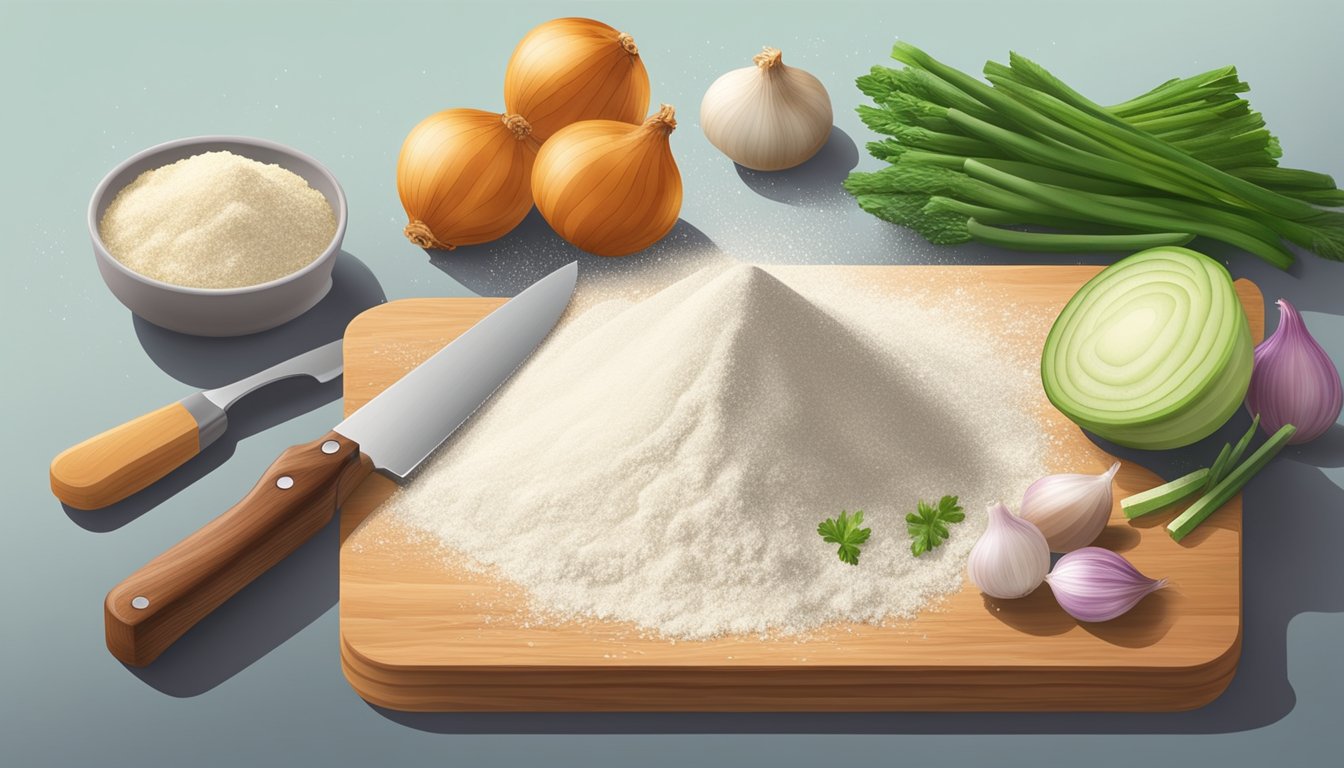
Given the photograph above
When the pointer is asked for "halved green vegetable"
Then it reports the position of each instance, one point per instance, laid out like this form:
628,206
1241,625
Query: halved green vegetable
1165,495
1154,352
1195,514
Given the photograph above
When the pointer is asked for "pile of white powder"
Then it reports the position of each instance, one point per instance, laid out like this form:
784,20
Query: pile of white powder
217,220
667,462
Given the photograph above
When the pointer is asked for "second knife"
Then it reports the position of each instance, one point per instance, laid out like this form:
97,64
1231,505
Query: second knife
126,459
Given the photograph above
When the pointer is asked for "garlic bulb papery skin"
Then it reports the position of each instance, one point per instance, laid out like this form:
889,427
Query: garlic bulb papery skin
1011,558
767,117
1094,584
1294,381
1070,509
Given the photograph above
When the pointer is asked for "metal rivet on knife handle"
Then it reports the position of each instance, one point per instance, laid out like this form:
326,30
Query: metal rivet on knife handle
203,570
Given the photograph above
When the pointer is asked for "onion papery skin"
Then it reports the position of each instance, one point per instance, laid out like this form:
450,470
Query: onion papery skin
573,69
1153,353
465,177
608,187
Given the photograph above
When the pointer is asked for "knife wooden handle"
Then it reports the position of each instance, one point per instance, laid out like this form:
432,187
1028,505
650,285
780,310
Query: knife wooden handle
109,467
294,499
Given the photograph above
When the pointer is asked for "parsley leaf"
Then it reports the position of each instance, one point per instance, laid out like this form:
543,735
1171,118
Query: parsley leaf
846,532
928,526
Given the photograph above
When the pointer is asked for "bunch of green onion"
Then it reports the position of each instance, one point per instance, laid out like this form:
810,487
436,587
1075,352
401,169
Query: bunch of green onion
1000,162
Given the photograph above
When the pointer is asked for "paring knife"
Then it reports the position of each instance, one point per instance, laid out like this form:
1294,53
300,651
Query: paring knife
301,491
123,460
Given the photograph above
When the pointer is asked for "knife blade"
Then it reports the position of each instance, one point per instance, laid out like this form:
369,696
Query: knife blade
301,491
128,458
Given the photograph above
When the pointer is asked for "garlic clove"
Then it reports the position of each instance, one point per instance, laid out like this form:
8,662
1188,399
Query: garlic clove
767,117
1094,584
1070,509
1011,557
1294,381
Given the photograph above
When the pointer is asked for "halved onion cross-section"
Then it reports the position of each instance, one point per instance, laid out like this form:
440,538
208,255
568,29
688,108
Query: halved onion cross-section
1154,352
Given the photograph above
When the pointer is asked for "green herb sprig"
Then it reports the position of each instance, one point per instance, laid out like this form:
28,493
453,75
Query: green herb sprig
928,525
846,532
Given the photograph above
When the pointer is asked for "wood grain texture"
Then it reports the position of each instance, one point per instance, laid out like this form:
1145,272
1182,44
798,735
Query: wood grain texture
420,632
184,584
126,459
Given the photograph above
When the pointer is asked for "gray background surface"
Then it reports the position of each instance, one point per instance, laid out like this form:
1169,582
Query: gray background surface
259,683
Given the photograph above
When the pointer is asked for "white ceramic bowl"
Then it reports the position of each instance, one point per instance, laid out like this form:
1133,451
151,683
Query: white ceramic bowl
218,311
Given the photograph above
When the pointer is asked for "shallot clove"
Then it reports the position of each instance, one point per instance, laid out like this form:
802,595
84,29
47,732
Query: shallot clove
1011,557
1294,381
1094,584
1070,509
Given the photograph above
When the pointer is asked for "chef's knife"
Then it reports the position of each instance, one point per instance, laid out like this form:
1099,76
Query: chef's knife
127,459
300,492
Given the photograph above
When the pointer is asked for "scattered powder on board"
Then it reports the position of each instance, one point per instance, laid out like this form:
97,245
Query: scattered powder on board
666,462
217,220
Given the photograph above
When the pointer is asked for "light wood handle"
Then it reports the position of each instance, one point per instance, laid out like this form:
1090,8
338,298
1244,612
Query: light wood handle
109,467
294,499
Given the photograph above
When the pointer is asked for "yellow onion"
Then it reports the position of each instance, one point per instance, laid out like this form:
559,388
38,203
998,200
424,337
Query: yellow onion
573,69
464,176
610,188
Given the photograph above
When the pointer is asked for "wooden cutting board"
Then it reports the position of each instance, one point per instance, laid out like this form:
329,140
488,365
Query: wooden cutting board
419,632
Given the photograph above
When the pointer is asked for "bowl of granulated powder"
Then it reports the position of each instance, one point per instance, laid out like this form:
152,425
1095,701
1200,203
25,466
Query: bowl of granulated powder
218,235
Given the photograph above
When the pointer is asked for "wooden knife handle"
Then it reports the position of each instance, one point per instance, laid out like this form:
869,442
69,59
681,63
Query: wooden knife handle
109,467
294,499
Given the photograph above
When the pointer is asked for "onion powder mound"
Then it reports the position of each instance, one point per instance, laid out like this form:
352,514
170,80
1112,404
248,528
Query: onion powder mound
217,220
666,462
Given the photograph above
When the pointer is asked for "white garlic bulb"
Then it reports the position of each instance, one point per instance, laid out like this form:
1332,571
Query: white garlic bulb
1011,558
1071,510
768,117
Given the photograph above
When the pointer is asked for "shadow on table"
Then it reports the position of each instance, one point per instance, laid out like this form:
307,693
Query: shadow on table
254,622
816,182
533,250
204,362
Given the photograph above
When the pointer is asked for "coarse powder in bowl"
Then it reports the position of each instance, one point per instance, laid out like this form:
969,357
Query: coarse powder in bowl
217,220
